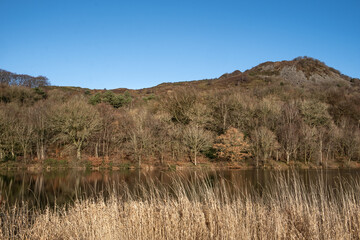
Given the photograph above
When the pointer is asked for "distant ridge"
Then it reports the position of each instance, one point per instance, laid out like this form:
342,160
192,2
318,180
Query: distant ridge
301,71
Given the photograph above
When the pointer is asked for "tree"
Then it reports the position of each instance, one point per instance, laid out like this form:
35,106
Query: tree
24,130
120,100
196,139
108,130
222,105
263,143
289,130
315,114
231,145
268,111
2,134
95,99
162,142
244,117
176,141
348,140
308,142
115,100
75,121
179,104
140,135
13,79
9,124
42,130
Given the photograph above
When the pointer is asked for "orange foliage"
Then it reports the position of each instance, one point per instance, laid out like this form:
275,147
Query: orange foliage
232,145
97,161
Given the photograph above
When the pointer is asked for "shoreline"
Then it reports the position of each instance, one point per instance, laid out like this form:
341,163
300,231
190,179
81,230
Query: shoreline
174,166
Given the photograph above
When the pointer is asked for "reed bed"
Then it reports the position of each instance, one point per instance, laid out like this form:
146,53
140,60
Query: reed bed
199,209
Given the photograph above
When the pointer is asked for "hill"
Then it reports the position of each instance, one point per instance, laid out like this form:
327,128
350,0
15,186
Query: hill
299,72
298,112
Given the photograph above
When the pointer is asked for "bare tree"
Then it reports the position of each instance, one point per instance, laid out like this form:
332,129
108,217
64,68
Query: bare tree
40,119
179,105
75,121
2,134
10,124
289,130
222,106
24,130
140,135
315,114
108,130
348,140
263,144
196,139
308,142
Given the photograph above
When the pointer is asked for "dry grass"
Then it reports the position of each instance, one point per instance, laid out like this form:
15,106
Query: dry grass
199,210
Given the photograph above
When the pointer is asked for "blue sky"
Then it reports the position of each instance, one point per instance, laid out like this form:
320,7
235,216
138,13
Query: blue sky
138,44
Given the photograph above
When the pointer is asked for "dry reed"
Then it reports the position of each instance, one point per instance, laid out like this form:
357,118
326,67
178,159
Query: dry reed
198,210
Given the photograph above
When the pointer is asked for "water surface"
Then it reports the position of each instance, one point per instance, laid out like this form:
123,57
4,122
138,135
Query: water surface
64,186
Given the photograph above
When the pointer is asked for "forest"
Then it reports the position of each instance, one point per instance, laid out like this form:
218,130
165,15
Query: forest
290,112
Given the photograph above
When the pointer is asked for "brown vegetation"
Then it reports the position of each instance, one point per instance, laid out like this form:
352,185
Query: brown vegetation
278,119
231,145
198,210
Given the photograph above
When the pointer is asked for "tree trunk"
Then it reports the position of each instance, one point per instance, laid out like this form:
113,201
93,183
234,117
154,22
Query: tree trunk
12,151
224,120
107,149
327,153
25,157
287,157
78,152
195,154
96,149
103,147
139,161
42,151
196,151
266,157
38,154
257,156
320,152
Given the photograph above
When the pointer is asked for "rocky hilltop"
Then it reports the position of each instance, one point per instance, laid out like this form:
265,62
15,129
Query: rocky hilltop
299,72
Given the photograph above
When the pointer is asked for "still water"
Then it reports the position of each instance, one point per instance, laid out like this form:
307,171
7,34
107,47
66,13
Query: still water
64,186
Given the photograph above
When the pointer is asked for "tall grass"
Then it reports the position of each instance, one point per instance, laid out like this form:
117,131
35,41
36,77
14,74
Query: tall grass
198,209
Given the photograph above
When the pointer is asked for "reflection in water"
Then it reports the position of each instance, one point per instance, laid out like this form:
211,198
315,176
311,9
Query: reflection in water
65,186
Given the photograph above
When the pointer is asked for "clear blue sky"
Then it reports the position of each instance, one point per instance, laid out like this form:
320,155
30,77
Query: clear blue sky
137,44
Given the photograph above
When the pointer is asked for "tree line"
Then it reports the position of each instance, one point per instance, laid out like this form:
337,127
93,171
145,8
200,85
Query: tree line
254,125
13,79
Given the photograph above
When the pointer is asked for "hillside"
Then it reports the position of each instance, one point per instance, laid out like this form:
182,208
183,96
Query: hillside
301,72
298,112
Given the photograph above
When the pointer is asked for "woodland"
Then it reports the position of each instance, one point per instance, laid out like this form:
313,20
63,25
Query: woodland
289,112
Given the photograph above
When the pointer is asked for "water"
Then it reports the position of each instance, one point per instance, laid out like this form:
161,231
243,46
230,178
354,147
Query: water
64,186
